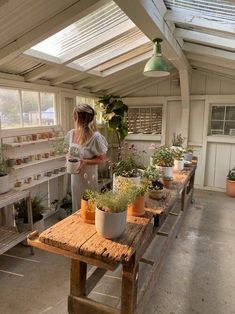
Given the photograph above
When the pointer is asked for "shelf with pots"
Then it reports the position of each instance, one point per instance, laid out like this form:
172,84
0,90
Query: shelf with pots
37,179
36,162
19,144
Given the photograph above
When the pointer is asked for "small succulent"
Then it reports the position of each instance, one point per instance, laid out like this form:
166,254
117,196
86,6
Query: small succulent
231,174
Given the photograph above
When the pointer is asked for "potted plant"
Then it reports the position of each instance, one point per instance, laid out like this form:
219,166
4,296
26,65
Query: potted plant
137,193
163,157
167,182
22,217
177,141
4,178
188,154
129,165
178,159
230,183
87,211
65,206
111,212
155,186
113,113
61,146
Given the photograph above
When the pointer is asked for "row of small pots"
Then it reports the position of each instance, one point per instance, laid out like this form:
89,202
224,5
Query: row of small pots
18,161
36,136
38,176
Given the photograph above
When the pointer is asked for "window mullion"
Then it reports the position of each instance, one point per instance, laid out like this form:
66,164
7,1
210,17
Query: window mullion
21,108
39,108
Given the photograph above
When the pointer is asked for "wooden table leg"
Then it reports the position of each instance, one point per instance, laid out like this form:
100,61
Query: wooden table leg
78,273
129,287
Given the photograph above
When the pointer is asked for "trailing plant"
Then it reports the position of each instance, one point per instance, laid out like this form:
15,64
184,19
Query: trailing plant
113,202
37,209
178,154
177,140
163,156
114,109
231,174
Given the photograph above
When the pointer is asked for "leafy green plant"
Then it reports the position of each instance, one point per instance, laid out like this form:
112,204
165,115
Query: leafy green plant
188,150
177,140
61,146
37,209
127,168
163,156
66,203
153,175
113,202
88,195
4,169
178,154
231,174
114,109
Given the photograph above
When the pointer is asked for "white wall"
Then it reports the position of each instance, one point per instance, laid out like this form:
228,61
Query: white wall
216,154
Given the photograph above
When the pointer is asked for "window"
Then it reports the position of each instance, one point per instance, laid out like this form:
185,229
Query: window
222,120
23,108
146,120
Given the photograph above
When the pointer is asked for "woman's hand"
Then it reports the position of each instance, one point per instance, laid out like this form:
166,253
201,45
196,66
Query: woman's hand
83,163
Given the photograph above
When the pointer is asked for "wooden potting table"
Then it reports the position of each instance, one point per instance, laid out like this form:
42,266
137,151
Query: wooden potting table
139,244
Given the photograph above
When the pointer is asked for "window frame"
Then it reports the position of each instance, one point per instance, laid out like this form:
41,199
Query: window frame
224,120
39,93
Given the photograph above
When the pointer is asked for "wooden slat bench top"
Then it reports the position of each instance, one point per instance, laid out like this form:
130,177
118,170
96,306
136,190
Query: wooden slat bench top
72,235
157,207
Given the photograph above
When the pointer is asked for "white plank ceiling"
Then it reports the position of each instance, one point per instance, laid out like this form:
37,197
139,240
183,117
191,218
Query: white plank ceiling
101,46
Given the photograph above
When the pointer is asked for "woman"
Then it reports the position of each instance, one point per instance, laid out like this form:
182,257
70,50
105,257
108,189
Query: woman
90,147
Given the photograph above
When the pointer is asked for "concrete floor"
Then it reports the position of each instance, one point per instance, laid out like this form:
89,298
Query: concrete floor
197,277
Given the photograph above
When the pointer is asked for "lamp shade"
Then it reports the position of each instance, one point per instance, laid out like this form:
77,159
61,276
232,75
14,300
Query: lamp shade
157,65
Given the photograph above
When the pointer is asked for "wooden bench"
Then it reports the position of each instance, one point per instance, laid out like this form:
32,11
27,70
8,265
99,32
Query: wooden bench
81,243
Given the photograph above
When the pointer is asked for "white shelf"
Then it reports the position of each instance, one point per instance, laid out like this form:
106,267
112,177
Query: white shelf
33,142
27,186
28,164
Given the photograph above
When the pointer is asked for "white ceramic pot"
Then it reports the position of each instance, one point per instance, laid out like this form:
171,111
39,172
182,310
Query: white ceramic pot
188,157
110,225
178,165
167,172
135,180
4,184
72,165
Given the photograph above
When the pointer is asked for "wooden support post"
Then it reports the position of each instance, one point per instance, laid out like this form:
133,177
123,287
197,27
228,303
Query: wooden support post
183,194
129,287
78,278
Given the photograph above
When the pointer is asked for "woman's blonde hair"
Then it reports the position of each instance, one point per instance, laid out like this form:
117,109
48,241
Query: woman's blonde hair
85,120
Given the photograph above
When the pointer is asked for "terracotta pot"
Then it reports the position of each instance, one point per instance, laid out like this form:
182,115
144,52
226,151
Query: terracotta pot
34,137
167,183
87,212
230,188
137,207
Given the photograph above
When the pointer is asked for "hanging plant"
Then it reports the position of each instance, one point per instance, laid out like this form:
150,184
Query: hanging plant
114,110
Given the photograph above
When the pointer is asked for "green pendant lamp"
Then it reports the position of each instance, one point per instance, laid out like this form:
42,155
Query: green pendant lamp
157,65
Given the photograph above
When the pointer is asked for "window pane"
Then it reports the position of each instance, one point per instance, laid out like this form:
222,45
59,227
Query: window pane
229,128
9,108
217,113
217,127
47,108
30,108
230,113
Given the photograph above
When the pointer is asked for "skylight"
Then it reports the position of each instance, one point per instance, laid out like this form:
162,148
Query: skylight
220,9
85,31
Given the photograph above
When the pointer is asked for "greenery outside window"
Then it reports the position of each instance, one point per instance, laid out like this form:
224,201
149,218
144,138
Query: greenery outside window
222,120
24,108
